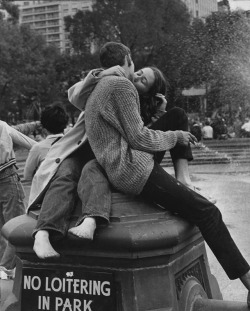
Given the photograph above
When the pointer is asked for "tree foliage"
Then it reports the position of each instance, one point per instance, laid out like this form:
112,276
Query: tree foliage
11,9
212,53
218,53
143,26
152,29
26,66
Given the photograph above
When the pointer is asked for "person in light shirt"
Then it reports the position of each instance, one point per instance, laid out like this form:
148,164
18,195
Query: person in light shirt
246,127
207,131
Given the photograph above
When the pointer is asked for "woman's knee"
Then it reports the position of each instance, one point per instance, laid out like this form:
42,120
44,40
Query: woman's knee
178,112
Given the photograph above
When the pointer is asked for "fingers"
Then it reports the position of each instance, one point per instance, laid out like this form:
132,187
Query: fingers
192,139
161,97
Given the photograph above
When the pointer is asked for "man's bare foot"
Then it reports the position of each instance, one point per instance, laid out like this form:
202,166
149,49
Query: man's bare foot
86,229
42,246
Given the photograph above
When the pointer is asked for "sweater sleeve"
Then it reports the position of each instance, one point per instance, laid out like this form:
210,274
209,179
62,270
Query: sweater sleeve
79,93
122,112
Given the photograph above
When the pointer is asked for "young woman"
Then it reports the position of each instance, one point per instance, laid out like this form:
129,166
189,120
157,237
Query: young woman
93,187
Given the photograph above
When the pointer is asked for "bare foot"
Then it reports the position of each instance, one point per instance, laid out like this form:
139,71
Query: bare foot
245,279
198,190
42,246
86,229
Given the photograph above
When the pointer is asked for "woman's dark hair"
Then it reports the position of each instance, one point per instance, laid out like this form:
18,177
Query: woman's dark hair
149,101
54,118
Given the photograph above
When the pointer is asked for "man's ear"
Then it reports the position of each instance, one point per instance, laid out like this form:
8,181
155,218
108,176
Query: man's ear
128,60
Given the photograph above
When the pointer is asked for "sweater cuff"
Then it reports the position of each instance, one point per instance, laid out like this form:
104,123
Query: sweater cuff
180,137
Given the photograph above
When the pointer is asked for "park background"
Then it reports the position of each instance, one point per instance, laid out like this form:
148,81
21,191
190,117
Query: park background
204,56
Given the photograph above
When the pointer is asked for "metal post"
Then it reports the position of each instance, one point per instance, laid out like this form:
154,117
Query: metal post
219,305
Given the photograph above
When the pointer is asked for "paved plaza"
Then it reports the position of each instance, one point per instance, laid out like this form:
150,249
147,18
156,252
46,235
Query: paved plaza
229,184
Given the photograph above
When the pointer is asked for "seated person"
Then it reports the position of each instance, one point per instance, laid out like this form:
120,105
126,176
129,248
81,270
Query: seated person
246,128
207,131
175,118
54,120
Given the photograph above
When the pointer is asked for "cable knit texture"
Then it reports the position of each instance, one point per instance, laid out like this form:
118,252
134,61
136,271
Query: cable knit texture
122,144
180,137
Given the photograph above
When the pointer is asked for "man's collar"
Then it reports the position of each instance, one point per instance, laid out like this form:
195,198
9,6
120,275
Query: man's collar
112,71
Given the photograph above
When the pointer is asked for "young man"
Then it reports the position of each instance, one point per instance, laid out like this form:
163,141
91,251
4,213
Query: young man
54,120
11,190
124,147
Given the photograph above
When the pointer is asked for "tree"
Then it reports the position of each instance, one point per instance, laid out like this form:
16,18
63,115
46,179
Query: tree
11,8
218,53
26,68
154,30
144,26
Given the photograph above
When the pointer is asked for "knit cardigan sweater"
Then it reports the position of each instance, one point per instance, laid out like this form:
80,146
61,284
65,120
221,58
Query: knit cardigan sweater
121,143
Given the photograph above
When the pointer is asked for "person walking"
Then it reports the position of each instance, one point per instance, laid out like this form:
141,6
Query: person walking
11,190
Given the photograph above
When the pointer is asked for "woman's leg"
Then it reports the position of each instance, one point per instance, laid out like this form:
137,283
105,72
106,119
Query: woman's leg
165,190
95,194
172,120
176,119
59,201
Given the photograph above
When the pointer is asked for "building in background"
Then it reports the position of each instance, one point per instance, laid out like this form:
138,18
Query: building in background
47,18
201,8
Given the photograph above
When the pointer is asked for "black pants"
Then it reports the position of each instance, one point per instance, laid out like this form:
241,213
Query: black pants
161,188
173,120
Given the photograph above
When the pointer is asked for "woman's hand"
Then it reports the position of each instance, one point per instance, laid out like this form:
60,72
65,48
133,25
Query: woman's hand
163,102
188,138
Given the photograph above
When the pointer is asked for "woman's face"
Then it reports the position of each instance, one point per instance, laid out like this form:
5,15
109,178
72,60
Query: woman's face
144,80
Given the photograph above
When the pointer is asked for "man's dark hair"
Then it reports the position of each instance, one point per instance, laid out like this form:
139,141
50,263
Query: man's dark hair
113,54
54,118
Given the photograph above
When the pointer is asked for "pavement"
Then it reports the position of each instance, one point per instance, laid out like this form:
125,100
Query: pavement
229,184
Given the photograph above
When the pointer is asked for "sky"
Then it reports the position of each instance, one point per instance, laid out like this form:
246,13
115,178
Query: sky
239,4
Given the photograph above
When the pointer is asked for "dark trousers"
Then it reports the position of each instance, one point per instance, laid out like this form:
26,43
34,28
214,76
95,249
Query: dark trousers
161,188
173,120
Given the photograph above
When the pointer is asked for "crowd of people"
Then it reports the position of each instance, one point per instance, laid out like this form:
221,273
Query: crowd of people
118,143
217,128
